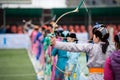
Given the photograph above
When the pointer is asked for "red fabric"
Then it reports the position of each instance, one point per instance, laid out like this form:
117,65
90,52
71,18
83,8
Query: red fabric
108,74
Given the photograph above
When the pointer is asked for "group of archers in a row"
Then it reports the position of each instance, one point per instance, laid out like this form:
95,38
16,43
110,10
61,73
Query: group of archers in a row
58,54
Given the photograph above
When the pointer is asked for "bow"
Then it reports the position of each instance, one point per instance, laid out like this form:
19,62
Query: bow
73,11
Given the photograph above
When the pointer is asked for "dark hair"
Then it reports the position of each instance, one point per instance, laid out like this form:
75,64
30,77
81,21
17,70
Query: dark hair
104,38
49,25
72,35
117,40
59,33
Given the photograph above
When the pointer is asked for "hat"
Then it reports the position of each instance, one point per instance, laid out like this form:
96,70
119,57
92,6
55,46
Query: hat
97,26
103,30
102,33
71,35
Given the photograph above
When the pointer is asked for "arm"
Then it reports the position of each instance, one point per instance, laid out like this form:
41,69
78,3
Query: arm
108,74
41,39
54,52
45,44
36,38
85,47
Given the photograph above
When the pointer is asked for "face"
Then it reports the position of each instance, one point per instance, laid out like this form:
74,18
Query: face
64,27
69,39
19,28
13,29
49,28
76,28
95,39
70,28
82,28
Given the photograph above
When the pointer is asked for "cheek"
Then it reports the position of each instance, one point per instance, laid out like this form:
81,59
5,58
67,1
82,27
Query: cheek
94,38
67,39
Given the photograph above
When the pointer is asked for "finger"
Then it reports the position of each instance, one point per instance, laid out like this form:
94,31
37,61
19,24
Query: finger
52,39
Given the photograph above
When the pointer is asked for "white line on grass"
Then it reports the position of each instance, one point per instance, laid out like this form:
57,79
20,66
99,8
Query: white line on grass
33,61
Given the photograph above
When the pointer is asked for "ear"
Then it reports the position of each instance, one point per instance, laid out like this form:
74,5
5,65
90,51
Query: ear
98,38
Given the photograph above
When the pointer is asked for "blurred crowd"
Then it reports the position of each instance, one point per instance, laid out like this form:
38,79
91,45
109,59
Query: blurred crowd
12,29
21,29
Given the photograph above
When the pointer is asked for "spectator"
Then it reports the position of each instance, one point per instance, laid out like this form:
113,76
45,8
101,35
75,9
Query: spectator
76,29
71,29
65,30
64,27
111,31
90,32
8,29
13,29
19,29
83,35
2,30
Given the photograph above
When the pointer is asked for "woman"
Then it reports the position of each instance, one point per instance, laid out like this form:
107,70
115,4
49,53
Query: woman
112,64
61,61
97,52
72,63
32,37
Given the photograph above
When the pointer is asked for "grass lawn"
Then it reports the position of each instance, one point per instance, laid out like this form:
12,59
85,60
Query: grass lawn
15,65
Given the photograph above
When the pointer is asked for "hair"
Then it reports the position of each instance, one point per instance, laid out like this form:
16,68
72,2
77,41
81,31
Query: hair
117,41
58,33
49,25
103,38
72,35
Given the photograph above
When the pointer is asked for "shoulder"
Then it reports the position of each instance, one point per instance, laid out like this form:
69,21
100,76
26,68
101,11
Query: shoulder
112,46
110,49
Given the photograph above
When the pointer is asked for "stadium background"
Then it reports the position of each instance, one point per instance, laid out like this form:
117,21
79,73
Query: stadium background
39,11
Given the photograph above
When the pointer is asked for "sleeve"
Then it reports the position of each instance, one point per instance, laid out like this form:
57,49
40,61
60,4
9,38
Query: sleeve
54,52
36,38
110,49
45,44
41,38
85,47
108,74
42,41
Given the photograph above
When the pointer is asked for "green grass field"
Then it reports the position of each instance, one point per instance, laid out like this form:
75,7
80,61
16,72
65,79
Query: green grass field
15,65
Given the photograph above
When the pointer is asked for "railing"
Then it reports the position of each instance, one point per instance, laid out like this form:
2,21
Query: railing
14,41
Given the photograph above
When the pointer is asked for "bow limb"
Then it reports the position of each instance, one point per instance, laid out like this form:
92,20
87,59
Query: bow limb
75,10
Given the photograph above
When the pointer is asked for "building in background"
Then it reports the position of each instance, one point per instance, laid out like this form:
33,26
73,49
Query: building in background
41,11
